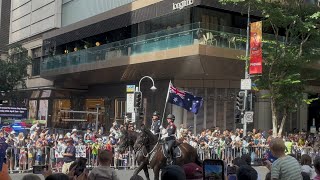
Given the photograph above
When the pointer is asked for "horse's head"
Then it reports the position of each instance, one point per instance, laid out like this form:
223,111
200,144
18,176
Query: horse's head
126,140
145,138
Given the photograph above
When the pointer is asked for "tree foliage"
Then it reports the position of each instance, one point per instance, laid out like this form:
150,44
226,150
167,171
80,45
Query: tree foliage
13,69
288,55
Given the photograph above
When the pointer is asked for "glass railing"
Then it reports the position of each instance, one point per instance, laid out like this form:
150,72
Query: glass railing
197,33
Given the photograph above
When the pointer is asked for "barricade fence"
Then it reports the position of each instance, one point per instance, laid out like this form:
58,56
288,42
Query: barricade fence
22,159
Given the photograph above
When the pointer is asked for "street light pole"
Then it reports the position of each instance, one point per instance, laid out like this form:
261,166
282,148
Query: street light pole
246,75
153,88
138,109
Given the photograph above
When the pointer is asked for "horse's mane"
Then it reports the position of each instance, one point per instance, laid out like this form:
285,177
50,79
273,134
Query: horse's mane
152,137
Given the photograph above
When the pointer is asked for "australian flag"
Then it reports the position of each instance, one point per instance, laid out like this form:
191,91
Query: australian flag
184,99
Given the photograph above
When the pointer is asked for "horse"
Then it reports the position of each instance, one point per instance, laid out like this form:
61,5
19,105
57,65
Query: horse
127,139
154,153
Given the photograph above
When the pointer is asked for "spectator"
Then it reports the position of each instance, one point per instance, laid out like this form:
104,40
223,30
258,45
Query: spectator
103,171
173,172
31,177
305,176
316,164
285,167
247,173
58,176
306,165
193,171
35,127
69,156
268,176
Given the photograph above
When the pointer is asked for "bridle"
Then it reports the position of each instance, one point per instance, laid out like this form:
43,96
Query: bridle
145,142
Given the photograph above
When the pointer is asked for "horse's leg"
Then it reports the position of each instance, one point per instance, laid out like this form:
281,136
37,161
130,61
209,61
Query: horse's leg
146,172
156,171
140,167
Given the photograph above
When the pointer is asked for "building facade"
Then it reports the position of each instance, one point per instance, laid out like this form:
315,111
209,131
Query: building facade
4,28
95,49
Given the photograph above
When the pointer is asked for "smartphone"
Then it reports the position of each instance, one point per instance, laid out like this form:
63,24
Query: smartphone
38,169
213,169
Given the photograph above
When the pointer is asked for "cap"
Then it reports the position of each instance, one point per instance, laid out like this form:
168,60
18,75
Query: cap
193,171
74,130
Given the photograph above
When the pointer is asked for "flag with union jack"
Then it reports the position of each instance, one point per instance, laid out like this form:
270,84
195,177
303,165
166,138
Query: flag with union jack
184,99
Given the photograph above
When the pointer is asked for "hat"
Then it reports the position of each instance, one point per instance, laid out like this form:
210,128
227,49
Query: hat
193,171
60,136
12,132
68,134
74,130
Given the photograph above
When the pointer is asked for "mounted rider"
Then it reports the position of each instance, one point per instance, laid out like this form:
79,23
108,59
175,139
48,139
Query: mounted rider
156,123
170,136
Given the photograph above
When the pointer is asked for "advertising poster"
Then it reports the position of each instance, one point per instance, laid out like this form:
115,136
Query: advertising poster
43,110
256,48
32,109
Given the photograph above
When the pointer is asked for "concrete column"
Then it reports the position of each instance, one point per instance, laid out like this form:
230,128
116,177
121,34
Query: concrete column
205,108
178,113
303,114
262,118
215,108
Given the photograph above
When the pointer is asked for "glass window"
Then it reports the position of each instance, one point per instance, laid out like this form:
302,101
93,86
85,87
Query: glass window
120,109
36,67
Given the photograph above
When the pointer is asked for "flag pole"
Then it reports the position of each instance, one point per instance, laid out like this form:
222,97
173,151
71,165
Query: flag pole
165,105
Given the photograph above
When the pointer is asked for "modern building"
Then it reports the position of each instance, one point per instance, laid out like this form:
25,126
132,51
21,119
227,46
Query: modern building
88,51
4,26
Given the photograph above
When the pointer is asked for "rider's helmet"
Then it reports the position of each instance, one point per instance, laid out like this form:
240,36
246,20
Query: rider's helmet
156,113
171,116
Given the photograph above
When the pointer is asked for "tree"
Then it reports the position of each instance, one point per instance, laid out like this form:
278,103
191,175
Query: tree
288,55
13,69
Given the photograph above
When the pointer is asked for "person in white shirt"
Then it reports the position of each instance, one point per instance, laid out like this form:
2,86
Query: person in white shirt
306,166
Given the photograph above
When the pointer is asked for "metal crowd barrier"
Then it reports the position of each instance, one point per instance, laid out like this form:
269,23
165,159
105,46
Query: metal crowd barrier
228,153
21,159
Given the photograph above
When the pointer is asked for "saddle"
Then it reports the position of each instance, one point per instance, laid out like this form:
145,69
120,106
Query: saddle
176,150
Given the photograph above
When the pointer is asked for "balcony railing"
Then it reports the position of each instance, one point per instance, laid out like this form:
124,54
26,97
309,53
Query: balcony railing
197,33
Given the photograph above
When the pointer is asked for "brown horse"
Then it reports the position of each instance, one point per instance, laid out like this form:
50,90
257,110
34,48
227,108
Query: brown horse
152,151
127,140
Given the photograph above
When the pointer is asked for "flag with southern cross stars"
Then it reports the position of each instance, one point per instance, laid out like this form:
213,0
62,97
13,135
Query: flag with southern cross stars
184,99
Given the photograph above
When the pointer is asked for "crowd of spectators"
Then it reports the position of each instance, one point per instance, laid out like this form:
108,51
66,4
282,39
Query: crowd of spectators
43,146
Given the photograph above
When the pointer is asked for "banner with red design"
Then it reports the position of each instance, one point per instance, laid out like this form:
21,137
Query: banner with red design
255,48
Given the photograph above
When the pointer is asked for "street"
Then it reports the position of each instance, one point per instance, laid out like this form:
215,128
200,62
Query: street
126,174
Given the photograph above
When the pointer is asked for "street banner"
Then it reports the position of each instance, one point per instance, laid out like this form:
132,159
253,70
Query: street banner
255,48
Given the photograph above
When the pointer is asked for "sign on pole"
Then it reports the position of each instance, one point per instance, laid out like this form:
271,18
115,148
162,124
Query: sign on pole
130,98
245,84
130,88
130,103
248,117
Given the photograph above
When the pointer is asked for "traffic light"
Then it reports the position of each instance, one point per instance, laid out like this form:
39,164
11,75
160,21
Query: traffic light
238,117
141,115
137,99
240,104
